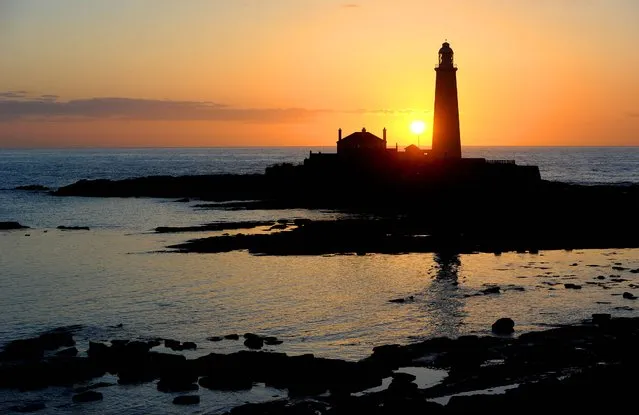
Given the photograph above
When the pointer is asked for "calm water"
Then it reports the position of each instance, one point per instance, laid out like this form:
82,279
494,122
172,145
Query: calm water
335,306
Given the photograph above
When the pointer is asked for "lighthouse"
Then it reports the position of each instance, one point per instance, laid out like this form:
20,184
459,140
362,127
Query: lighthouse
446,140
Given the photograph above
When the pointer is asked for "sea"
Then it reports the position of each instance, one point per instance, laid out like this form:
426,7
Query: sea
119,281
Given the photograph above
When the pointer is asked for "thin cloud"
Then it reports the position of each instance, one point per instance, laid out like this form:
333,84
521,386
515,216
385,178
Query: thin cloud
14,94
20,107
48,108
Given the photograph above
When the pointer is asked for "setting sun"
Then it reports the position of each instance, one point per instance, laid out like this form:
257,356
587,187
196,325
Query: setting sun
418,127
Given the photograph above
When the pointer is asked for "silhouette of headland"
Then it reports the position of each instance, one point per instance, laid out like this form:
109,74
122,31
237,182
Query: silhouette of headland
462,204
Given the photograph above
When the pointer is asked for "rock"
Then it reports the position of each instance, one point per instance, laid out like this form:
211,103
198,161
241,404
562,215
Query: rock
178,382
503,326
227,381
34,348
186,400
253,342
27,408
7,226
571,286
619,268
278,226
88,396
272,341
601,277
629,296
189,346
215,338
635,271
183,200
600,318
33,187
171,344
402,300
98,351
232,337
73,228
71,351
491,290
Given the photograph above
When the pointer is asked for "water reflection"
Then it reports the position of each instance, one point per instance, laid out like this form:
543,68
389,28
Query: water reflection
444,307
447,266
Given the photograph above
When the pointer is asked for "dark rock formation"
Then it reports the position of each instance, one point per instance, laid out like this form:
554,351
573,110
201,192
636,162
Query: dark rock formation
88,396
186,400
34,348
503,326
492,290
572,286
7,226
73,228
217,226
71,351
272,341
581,368
253,341
629,296
232,337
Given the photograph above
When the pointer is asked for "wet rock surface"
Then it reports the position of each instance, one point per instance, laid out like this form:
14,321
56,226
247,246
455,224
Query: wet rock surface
73,228
211,227
8,226
579,367
391,235
89,396
186,400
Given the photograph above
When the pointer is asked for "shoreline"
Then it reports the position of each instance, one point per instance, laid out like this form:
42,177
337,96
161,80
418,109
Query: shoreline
562,361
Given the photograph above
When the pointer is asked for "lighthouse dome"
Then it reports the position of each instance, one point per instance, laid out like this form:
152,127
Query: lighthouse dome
445,48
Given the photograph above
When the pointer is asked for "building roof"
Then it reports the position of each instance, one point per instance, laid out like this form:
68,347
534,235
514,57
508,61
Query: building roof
362,138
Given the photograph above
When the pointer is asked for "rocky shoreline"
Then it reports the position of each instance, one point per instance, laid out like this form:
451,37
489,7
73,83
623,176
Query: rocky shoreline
397,217
398,235
577,367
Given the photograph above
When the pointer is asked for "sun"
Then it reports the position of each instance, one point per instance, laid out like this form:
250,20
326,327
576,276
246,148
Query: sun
417,127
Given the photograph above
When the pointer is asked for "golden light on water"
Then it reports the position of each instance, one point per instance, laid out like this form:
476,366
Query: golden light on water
418,127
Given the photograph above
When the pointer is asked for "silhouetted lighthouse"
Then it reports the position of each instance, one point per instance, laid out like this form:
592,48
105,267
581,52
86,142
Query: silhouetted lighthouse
446,141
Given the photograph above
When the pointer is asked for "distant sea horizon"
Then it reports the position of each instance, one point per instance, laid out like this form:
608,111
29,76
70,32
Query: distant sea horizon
290,146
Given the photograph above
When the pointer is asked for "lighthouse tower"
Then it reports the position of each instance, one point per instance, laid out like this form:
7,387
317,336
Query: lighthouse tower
446,140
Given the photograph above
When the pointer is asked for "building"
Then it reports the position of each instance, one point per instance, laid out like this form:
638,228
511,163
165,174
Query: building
368,157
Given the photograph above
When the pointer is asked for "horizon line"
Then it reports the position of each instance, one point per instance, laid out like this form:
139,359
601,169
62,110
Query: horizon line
289,146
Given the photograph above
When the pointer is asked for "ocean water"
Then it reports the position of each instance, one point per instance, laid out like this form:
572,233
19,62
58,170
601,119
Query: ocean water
335,306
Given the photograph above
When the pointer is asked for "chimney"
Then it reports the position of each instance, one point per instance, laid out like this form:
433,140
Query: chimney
339,134
384,134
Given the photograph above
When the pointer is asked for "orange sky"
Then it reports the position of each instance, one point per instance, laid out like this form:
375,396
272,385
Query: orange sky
291,72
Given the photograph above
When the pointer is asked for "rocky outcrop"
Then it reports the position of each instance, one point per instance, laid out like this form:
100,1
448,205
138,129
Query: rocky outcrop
503,326
88,396
7,226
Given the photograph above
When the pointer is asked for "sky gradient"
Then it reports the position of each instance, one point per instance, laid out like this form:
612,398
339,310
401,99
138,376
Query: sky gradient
138,73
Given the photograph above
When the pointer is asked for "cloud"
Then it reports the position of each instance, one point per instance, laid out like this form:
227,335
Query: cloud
19,106
13,94
47,107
